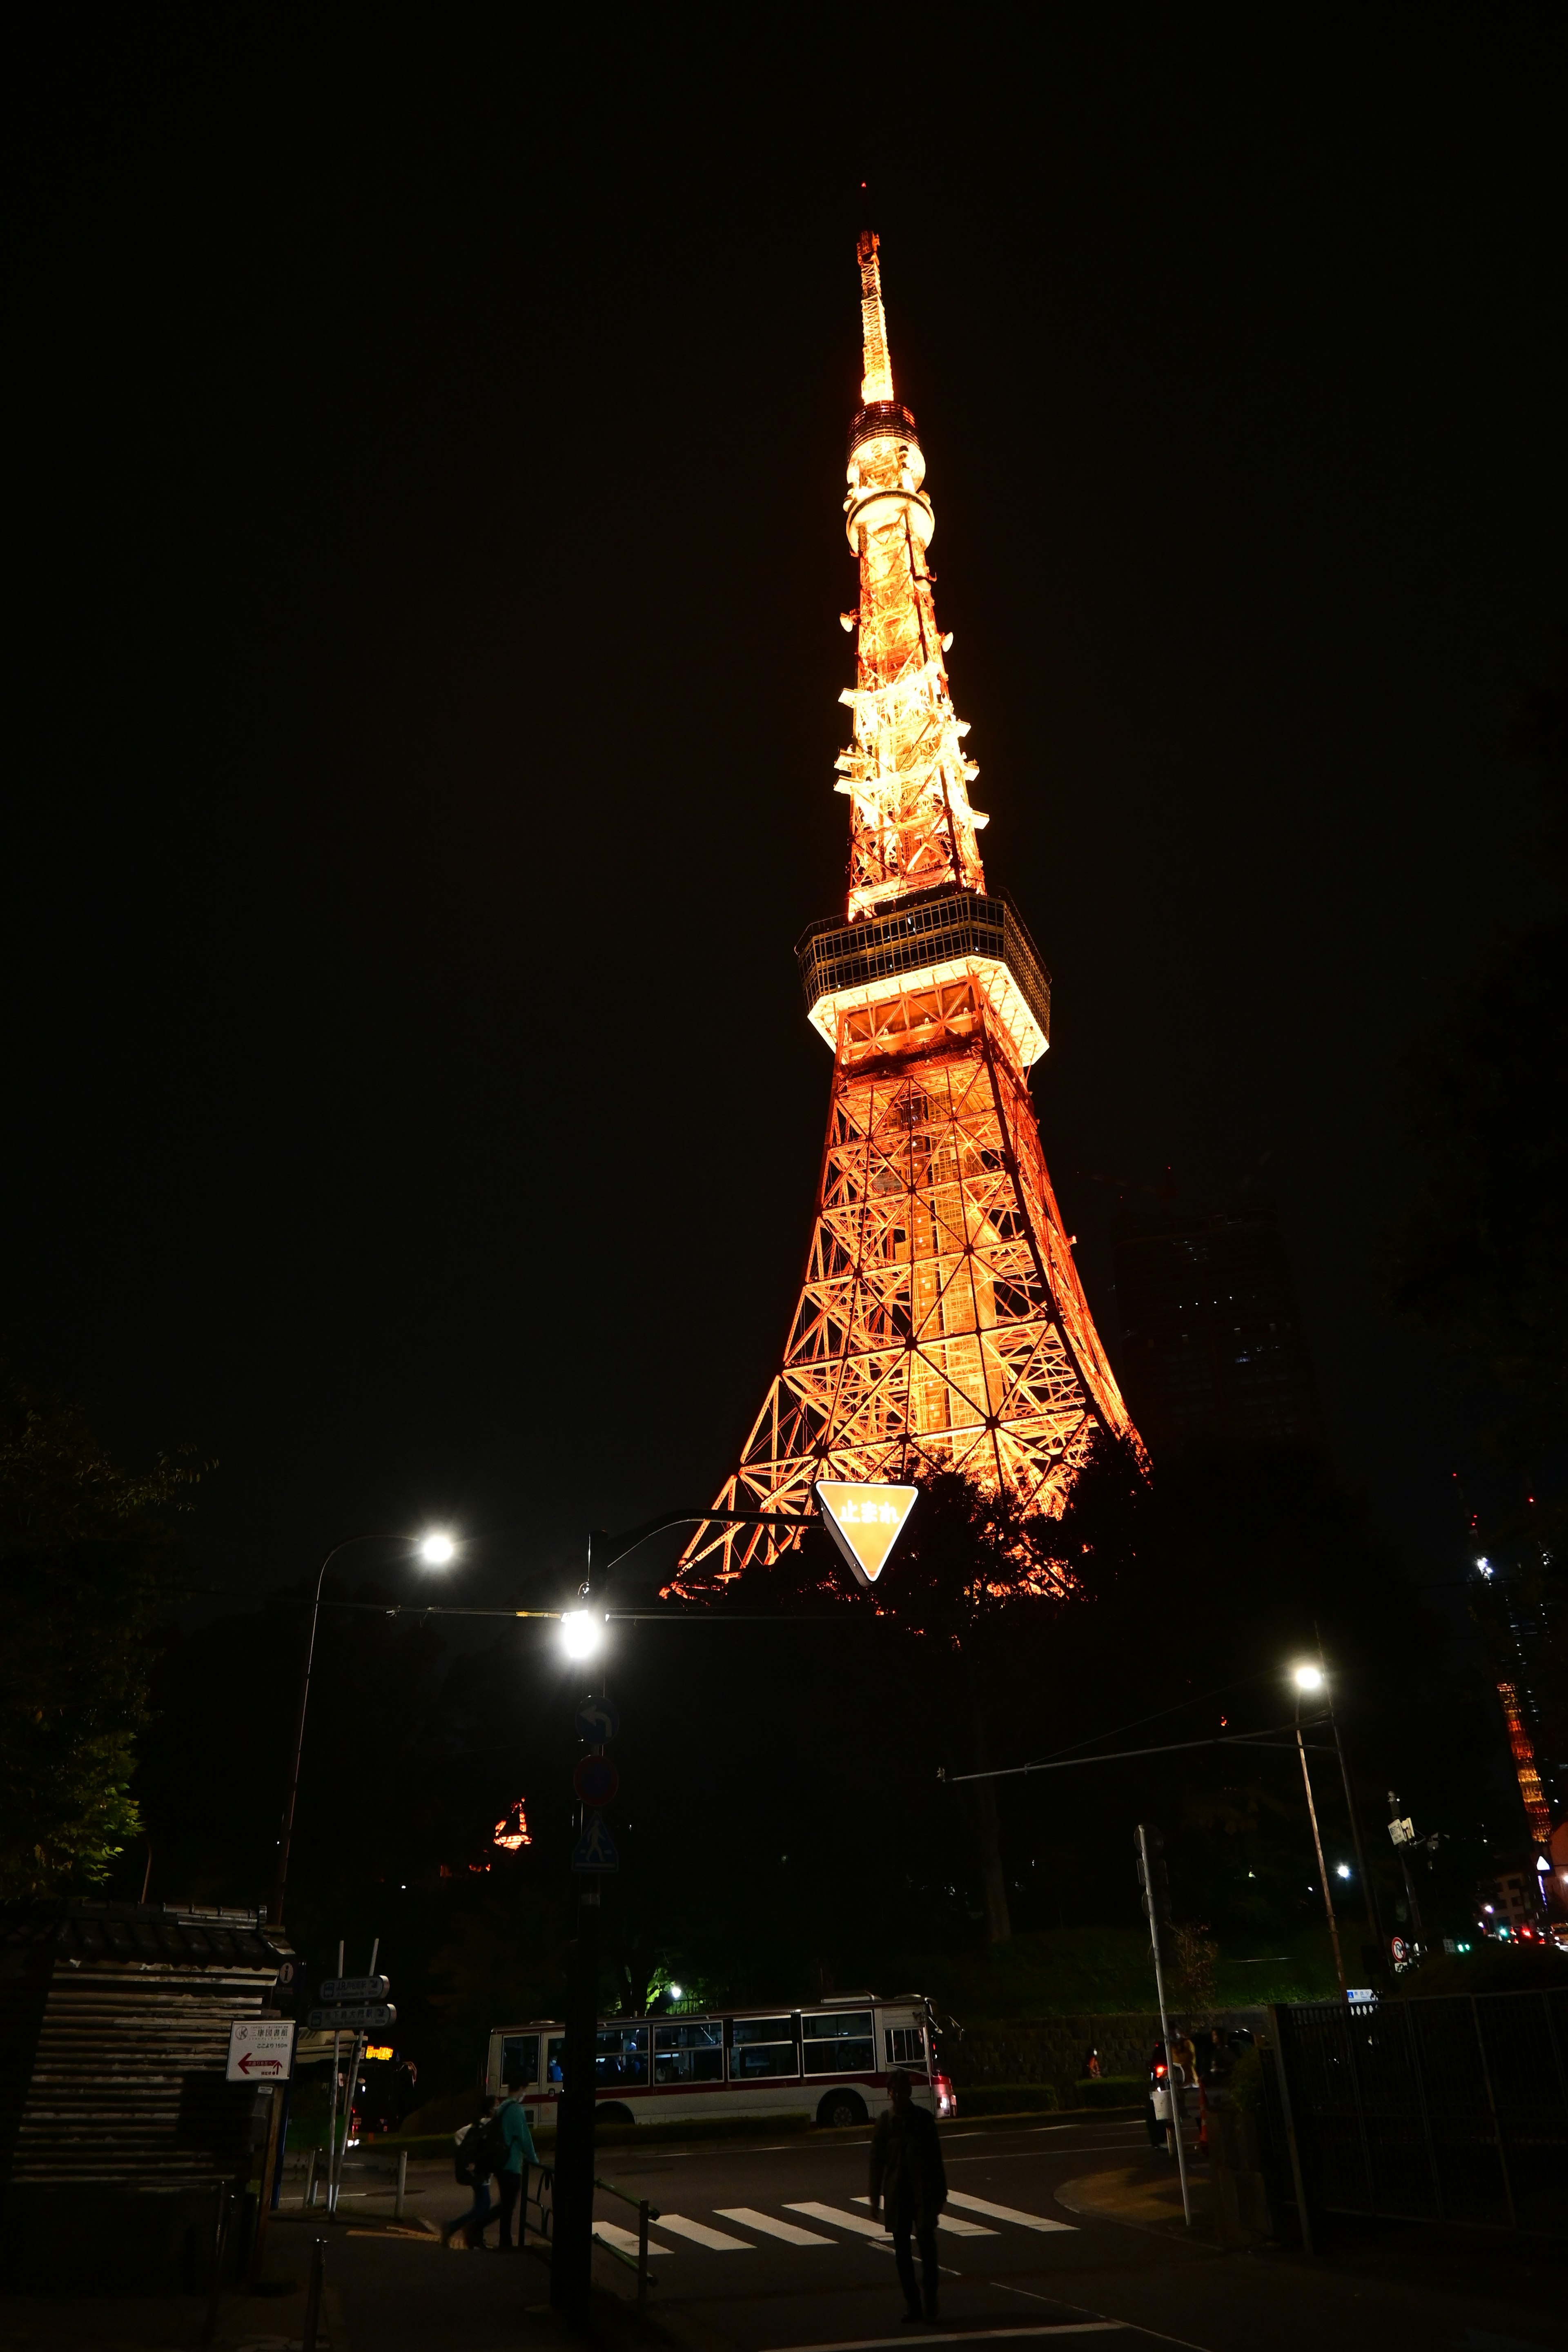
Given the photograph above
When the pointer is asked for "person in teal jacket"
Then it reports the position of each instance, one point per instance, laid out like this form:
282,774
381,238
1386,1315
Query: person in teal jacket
519,2152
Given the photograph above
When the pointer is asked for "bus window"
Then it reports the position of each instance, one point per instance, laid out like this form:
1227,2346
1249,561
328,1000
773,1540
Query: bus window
519,2062
839,2043
555,2059
906,2046
762,2046
691,2051
620,2055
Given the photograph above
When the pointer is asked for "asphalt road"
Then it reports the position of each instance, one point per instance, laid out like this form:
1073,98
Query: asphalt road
768,2247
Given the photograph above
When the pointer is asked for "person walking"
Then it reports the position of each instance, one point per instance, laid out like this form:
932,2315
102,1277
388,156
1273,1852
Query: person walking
519,2151
479,2145
909,2183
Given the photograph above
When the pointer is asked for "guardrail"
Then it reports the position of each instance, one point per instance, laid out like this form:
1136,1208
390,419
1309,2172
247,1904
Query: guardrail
645,2213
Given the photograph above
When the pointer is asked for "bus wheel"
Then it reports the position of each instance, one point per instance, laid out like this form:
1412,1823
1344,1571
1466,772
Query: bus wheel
614,2113
839,2108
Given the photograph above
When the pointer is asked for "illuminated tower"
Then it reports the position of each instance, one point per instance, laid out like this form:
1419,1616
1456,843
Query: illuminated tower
942,1325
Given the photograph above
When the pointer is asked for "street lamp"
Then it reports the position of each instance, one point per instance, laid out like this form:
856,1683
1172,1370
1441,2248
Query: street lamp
436,1549
1309,1679
582,1630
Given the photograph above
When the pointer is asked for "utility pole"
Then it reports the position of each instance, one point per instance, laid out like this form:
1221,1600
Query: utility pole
572,2253
1157,1903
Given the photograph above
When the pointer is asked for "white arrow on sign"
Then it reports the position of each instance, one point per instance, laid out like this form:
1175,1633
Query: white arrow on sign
261,2050
865,1521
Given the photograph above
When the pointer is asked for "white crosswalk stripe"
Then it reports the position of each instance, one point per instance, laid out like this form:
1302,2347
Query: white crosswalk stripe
626,2240
840,2218
771,2226
1006,2212
718,2242
950,2221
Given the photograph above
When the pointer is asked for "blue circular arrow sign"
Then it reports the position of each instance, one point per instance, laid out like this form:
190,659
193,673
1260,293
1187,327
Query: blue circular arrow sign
598,1719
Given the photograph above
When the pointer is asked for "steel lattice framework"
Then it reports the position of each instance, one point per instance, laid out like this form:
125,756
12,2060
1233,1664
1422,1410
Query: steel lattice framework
942,1325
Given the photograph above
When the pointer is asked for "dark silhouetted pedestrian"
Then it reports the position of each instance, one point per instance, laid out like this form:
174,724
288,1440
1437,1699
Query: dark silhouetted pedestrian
909,2186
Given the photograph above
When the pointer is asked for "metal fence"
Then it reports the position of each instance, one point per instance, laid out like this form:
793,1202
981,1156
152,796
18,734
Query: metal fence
1444,2110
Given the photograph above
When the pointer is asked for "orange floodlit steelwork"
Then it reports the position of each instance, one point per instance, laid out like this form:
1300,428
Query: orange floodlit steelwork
942,1325
512,1830
1524,1765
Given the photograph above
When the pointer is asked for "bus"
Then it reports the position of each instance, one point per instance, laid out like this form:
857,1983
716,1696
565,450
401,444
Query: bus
830,2063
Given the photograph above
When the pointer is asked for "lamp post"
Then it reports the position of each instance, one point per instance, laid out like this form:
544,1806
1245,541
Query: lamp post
436,1549
1311,1678
582,1630
1369,1891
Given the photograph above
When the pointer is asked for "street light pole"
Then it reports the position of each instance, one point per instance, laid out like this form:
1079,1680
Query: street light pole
571,2249
1311,1678
435,1550
1369,1891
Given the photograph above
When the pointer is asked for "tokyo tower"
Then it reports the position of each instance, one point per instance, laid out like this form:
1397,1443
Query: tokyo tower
942,1325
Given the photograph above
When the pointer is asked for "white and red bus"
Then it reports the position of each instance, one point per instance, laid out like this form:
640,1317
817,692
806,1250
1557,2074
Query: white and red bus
830,2063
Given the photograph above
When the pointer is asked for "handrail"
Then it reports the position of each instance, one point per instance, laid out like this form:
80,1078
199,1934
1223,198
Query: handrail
636,2202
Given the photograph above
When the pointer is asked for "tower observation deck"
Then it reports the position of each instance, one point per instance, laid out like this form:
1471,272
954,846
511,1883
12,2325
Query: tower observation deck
942,1325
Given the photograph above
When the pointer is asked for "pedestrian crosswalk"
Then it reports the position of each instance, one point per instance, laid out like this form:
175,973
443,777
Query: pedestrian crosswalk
702,2236
950,2221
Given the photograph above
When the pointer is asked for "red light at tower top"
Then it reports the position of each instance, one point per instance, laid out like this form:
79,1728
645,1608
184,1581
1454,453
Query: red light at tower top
940,1325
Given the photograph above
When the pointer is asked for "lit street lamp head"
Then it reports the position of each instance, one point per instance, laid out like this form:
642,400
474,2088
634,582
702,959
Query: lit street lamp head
1309,1679
436,1549
581,1632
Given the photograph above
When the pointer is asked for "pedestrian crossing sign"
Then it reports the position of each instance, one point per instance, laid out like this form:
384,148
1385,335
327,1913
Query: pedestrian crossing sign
595,1849
865,1522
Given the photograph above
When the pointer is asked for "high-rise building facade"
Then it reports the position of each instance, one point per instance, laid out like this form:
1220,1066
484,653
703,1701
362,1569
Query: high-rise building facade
1211,1344
942,1325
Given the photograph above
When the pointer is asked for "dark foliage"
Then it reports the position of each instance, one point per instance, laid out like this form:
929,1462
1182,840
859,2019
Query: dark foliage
89,1567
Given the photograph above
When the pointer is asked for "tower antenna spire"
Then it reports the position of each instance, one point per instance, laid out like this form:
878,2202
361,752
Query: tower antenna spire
877,384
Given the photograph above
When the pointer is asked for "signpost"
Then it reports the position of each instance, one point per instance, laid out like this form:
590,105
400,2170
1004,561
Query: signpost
261,2050
865,1522
359,2017
596,1781
598,1719
341,1988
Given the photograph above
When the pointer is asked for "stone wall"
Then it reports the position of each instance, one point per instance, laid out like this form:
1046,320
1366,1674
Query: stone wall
1056,2049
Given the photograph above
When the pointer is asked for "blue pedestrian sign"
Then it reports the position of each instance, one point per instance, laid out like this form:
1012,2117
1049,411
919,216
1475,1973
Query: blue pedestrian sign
595,1849
598,1719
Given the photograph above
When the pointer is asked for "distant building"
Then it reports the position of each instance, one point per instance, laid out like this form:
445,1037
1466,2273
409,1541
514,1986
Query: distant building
1212,1338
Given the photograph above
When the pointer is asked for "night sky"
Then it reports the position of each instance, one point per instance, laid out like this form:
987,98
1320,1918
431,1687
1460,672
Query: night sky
429,555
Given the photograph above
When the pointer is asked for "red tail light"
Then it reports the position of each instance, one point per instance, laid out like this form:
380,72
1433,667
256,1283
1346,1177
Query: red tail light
946,2098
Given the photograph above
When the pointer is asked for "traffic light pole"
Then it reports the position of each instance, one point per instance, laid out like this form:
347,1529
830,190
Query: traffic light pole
1151,1899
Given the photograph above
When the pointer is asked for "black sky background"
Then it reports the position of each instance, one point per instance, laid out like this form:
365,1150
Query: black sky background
429,552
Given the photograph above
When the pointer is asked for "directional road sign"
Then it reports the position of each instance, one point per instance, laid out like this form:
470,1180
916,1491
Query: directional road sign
356,1987
596,1850
353,2017
261,2050
598,1719
865,1522
595,1780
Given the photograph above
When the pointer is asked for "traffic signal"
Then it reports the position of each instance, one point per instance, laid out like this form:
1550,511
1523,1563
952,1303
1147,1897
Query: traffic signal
1152,1875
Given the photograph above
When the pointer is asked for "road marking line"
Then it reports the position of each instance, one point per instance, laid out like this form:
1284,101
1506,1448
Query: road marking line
626,2240
719,2241
770,2226
839,2219
950,2222
969,2335
1004,2212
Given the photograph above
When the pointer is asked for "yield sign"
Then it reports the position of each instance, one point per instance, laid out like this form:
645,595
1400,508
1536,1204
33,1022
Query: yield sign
865,1522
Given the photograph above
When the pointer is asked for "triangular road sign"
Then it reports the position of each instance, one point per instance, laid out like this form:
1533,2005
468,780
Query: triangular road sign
865,1522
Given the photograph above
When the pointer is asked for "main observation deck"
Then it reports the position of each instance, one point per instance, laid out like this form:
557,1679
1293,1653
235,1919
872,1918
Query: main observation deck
930,944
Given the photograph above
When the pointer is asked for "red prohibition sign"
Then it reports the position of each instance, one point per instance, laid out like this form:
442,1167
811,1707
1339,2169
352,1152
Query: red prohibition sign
595,1780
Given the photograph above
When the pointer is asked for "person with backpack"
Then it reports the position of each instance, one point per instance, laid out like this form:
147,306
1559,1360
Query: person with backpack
518,2151
479,2147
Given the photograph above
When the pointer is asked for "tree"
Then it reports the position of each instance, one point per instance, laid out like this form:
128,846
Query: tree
89,1567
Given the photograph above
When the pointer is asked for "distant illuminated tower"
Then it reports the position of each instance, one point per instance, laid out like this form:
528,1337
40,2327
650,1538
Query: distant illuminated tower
942,1325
